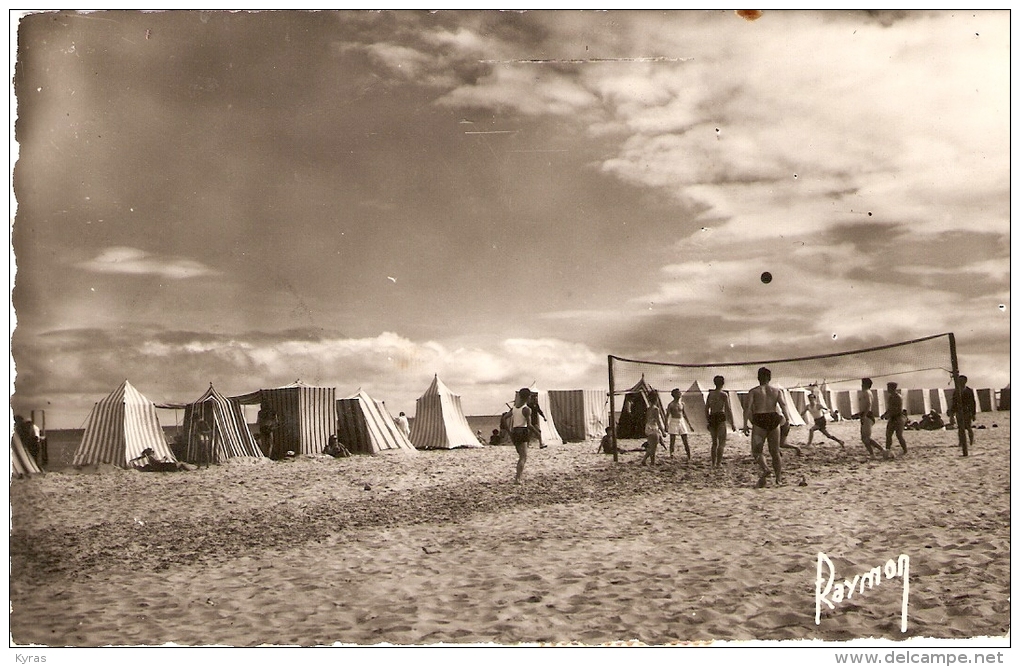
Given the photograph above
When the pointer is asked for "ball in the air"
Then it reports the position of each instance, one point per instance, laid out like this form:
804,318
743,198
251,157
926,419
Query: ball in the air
766,277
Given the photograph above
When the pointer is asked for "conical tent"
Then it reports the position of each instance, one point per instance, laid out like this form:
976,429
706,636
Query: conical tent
579,414
305,417
216,431
365,426
22,463
439,421
547,426
636,402
120,428
694,402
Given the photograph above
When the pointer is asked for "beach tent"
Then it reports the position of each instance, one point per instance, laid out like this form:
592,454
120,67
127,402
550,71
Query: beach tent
983,400
938,400
22,463
736,408
215,430
119,428
694,402
550,436
916,401
795,417
439,421
636,402
306,417
792,405
1004,398
579,414
365,426
845,401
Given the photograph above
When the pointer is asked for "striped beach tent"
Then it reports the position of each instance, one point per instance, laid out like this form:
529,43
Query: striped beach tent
22,463
215,430
550,435
916,401
938,400
306,417
119,428
365,426
439,421
984,401
580,414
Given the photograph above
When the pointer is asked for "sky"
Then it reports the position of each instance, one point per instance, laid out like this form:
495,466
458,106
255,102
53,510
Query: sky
365,199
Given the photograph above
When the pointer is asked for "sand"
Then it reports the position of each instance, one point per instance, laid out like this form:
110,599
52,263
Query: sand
442,547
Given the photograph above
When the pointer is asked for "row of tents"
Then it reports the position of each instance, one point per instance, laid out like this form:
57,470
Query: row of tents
125,424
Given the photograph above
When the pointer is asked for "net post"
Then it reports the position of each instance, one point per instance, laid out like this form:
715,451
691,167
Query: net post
612,411
957,398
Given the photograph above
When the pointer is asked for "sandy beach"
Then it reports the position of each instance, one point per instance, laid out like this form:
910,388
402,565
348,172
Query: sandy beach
442,547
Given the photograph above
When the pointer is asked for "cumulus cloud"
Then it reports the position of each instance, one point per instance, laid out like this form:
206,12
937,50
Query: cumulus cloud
174,366
119,259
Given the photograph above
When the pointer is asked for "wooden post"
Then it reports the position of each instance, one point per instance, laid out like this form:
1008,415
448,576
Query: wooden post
957,397
612,411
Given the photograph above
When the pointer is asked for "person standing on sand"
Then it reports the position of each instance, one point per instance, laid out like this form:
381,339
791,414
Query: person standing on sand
766,410
897,419
817,412
718,416
520,430
867,417
653,430
403,425
964,407
676,423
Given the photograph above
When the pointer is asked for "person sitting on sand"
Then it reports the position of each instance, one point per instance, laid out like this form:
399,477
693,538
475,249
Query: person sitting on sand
676,423
932,421
766,410
494,439
653,431
719,416
520,430
817,412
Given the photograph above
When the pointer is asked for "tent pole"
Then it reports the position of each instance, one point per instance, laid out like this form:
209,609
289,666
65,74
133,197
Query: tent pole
612,411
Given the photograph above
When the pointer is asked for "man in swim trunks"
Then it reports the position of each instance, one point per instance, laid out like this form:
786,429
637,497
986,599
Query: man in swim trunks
897,419
520,430
817,412
676,424
718,415
867,418
762,404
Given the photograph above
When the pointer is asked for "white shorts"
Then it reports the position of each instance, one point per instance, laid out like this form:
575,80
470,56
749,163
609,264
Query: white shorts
678,426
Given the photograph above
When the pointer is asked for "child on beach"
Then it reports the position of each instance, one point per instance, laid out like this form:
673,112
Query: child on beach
676,423
653,430
607,446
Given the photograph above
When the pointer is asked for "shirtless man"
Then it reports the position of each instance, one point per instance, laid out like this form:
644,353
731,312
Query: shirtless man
653,431
897,419
868,418
676,424
762,404
817,412
520,430
719,416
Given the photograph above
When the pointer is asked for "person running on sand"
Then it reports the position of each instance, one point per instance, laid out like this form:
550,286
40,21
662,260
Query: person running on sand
520,430
653,417
897,418
766,410
676,423
719,416
867,416
817,411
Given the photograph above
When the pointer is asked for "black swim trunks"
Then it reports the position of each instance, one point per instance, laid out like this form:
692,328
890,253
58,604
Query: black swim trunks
716,419
820,423
766,420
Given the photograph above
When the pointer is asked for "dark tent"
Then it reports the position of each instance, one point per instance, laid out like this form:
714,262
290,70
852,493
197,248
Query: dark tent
636,402
1004,398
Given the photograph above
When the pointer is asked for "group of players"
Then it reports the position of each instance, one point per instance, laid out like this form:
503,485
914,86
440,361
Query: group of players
767,419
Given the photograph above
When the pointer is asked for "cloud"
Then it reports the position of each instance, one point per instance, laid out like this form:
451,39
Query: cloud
82,365
120,259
